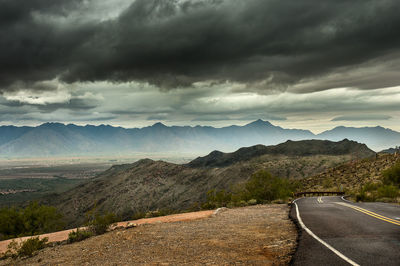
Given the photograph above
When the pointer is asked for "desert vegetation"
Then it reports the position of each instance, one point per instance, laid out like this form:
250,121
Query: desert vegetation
369,179
96,224
34,219
79,235
386,189
27,248
262,187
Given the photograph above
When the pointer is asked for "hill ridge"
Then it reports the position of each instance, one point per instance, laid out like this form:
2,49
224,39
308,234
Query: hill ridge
147,185
297,148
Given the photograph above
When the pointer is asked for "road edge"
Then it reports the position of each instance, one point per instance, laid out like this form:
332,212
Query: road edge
299,231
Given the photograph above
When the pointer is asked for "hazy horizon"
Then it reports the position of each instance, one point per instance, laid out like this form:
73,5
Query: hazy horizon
194,124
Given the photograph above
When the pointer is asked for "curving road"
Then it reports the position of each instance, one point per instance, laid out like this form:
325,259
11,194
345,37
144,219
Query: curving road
339,232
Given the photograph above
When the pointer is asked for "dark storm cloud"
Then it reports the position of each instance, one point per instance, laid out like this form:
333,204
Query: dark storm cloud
174,43
73,104
33,49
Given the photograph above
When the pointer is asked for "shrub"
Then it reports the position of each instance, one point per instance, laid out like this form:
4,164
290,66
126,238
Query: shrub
261,187
219,198
138,215
32,220
242,203
208,205
391,176
99,223
151,214
252,202
388,191
28,247
79,235
158,213
368,192
40,219
375,191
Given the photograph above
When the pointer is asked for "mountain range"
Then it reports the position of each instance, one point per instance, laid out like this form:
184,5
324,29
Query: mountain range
148,185
56,139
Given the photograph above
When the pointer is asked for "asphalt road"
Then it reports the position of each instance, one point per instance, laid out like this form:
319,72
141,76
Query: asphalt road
362,233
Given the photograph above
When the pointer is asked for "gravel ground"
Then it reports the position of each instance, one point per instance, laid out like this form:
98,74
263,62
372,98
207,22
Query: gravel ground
63,235
256,235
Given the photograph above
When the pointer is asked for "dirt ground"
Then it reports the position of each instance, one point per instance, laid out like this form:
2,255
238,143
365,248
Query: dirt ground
63,235
256,235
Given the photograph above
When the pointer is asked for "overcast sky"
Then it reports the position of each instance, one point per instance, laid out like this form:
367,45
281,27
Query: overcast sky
308,64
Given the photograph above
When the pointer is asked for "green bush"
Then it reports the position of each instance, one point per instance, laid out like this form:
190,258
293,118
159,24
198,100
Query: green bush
28,247
159,213
242,203
368,192
261,187
388,191
217,199
79,235
99,223
138,215
376,191
33,220
252,202
391,176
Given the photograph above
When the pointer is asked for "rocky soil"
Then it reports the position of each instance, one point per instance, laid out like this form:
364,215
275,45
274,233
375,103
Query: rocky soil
256,235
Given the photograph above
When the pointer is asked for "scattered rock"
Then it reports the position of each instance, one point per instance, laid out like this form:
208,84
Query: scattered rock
131,225
219,210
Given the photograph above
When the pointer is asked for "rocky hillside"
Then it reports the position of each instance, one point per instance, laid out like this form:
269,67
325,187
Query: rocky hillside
391,150
289,148
351,176
150,185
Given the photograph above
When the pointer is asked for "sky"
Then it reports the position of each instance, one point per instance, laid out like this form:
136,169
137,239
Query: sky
306,64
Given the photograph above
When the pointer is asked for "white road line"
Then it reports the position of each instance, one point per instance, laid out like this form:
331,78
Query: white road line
346,200
320,200
322,241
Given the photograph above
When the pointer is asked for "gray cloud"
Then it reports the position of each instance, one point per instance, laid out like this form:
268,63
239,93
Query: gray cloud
215,117
362,117
266,117
174,43
157,117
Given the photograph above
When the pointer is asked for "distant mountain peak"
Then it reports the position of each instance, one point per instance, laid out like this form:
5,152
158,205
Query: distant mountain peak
51,124
259,123
159,125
